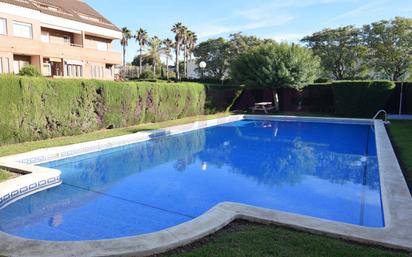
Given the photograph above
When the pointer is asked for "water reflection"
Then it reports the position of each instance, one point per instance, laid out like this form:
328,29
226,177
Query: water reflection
323,170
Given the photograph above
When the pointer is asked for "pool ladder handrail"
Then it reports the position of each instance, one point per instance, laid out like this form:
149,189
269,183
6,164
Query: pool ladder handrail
385,115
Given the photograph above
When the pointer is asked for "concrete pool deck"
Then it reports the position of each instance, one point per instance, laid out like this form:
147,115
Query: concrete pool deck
396,201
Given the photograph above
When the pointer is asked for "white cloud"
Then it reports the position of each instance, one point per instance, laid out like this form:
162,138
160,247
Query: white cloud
214,28
372,7
264,15
287,37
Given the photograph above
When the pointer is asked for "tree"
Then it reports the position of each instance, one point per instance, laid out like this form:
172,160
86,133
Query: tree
214,53
190,43
185,35
180,32
29,70
146,60
239,43
141,38
390,44
275,65
126,35
219,53
153,53
167,50
341,52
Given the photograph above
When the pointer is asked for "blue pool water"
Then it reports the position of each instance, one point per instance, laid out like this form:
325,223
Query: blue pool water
324,170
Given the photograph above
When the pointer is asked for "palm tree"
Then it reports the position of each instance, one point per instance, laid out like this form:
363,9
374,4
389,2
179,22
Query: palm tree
184,45
179,31
141,38
168,45
190,46
155,45
126,35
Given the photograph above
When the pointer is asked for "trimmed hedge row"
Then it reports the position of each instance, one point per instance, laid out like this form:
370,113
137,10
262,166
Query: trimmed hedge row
40,108
342,98
361,98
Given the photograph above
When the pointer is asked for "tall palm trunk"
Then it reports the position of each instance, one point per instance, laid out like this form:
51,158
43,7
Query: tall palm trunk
154,69
140,61
167,67
124,56
185,62
177,62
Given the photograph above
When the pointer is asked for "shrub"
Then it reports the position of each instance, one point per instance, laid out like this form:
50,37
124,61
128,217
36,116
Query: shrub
40,108
147,74
275,65
361,98
348,96
408,98
29,70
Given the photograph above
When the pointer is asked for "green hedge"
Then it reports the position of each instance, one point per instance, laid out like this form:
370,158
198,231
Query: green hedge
361,98
40,108
408,98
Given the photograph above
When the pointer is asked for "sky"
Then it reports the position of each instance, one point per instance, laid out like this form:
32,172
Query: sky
282,20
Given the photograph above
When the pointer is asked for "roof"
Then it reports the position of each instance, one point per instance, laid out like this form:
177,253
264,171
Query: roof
76,10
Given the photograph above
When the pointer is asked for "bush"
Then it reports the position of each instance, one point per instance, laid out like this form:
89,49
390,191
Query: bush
361,98
408,97
147,73
40,108
29,70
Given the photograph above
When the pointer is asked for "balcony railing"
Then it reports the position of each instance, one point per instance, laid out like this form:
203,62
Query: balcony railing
81,46
76,45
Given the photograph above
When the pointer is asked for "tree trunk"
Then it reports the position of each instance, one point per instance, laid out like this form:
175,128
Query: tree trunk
235,99
140,62
185,62
154,69
167,68
124,56
275,99
177,62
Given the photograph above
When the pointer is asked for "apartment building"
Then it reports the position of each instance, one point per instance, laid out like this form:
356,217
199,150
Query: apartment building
62,38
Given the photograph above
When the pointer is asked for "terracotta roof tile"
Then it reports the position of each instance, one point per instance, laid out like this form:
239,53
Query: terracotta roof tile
75,10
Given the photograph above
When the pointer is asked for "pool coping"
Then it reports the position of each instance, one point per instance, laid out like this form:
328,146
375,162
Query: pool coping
396,200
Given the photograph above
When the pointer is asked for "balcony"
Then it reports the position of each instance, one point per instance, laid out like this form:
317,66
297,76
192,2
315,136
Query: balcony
68,51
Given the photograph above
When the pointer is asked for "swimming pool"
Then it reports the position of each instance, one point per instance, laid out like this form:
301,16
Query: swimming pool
318,169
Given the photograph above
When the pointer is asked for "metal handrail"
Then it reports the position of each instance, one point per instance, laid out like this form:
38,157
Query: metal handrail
385,115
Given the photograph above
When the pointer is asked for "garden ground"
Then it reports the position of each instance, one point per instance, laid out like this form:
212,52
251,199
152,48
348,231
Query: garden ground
248,239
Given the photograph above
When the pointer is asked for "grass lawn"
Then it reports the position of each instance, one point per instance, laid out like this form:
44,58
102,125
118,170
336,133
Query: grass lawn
401,135
61,141
5,175
242,239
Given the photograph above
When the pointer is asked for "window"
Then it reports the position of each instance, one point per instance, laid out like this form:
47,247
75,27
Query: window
102,46
1,65
19,62
74,70
45,37
109,70
67,40
21,29
3,26
47,69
